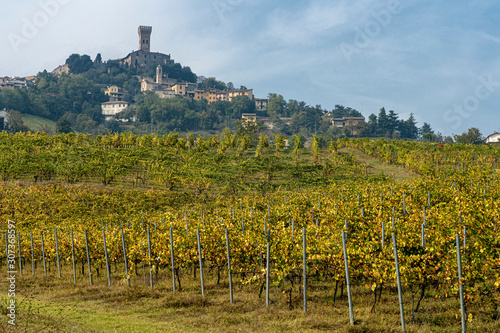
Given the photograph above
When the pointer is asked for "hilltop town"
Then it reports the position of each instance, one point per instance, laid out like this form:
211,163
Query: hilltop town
147,91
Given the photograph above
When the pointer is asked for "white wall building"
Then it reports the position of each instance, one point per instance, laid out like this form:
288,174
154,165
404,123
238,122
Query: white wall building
493,138
111,109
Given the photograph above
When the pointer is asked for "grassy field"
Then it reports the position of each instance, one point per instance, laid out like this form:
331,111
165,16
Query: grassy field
374,166
49,304
36,123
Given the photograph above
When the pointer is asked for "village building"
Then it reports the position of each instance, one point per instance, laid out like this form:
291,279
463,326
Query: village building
261,104
144,57
16,83
62,69
111,109
4,119
493,138
239,92
350,123
115,93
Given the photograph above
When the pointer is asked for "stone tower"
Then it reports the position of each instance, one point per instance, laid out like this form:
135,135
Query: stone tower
145,38
159,74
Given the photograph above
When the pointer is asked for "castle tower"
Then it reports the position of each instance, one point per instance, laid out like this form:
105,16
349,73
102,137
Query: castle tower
145,38
159,74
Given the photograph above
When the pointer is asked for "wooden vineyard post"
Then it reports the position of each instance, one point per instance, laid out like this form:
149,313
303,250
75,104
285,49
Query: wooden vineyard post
347,277
462,302
172,258
149,261
229,268
88,257
73,256
398,277
201,262
57,254
106,256
125,258
43,255
304,267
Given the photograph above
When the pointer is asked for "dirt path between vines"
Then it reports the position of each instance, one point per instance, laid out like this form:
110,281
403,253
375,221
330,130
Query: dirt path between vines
376,167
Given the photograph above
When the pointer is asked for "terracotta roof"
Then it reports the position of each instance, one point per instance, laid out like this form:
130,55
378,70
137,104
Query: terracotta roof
115,102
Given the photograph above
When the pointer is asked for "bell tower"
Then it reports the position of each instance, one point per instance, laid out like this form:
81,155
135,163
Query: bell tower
159,74
145,38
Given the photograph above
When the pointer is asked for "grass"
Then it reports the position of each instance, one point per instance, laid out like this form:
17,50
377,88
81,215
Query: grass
49,304
35,122
375,166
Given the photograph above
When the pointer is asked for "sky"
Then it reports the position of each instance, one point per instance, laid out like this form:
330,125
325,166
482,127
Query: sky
436,59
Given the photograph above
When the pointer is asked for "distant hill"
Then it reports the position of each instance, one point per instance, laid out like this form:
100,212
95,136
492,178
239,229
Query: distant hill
35,123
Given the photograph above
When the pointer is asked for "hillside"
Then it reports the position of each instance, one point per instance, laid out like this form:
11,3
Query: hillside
36,123
125,233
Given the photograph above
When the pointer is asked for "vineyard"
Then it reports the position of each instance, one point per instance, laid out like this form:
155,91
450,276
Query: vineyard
301,229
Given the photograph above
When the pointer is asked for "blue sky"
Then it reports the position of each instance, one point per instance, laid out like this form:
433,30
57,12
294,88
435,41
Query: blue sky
437,59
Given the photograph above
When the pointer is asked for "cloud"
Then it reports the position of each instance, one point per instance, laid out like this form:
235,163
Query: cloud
305,25
489,37
426,59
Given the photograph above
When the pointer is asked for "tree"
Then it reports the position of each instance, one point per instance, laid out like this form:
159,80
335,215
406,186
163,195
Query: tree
230,86
63,125
429,137
426,128
249,127
408,128
98,59
15,122
393,121
372,125
276,105
341,111
79,63
472,136
212,82
242,104
383,125
17,99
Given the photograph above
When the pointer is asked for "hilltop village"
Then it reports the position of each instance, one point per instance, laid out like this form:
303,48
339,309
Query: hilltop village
147,91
